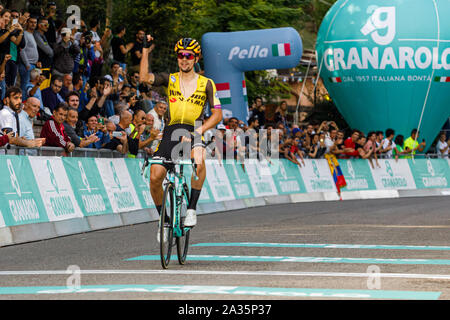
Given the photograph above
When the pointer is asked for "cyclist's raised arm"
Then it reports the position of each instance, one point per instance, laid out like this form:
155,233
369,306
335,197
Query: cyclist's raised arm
144,75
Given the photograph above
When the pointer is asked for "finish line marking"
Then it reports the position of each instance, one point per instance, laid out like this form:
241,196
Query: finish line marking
227,290
299,259
318,245
231,273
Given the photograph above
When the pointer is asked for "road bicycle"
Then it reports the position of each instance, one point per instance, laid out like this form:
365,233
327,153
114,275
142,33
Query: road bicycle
175,203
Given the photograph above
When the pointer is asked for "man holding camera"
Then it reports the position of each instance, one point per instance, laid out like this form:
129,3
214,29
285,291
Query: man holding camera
65,52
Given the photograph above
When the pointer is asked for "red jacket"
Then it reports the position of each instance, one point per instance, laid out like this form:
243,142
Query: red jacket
350,144
54,134
4,140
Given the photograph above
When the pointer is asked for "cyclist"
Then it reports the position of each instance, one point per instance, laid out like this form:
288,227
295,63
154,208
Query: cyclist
188,95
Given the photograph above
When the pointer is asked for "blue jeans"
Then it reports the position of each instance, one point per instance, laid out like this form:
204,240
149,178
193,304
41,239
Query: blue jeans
109,108
25,77
3,89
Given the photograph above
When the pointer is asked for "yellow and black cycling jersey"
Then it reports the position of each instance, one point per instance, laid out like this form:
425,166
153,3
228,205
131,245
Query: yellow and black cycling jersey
187,110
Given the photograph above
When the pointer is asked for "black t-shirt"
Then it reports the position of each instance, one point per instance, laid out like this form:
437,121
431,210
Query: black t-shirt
137,47
116,42
5,46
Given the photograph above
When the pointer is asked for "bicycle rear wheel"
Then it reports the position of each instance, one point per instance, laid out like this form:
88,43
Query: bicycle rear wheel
183,241
166,229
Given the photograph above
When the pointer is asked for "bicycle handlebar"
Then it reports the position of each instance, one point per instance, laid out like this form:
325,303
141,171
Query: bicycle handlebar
148,162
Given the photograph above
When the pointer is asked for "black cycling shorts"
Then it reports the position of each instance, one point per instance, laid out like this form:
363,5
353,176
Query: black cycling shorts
170,147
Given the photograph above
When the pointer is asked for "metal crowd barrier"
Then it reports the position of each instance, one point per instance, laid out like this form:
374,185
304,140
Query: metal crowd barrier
106,153
57,152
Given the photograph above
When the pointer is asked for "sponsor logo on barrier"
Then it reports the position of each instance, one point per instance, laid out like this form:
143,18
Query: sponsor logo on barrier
393,175
120,187
22,209
356,179
93,202
55,188
316,176
433,181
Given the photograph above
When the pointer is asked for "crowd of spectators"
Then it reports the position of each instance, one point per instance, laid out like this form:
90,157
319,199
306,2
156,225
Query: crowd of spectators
313,140
76,82
80,86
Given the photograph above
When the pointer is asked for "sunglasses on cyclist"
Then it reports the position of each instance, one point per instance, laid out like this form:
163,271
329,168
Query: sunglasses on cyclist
186,55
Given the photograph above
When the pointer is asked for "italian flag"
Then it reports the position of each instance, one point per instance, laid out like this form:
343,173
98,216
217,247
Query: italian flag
281,49
336,79
224,92
244,90
442,79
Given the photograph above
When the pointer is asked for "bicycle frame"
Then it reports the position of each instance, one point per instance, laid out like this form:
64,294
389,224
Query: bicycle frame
178,179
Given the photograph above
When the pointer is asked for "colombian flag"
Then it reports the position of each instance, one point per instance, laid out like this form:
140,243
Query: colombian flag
336,172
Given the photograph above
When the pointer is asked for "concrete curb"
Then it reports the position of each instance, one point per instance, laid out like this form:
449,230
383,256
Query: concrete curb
47,230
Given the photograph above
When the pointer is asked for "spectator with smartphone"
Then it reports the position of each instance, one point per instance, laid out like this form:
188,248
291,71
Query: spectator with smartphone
11,36
95,129
411,145
119,142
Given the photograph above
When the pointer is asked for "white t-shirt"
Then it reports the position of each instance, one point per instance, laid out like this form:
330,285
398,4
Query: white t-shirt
328,143
7,119
442,145
386,145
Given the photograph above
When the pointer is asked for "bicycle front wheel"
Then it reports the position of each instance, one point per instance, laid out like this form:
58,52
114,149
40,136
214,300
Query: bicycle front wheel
183,240
166,229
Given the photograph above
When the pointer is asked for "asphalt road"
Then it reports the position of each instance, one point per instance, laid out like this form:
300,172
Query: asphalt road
273,252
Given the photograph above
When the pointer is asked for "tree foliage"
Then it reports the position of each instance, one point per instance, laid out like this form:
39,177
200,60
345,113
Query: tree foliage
169,20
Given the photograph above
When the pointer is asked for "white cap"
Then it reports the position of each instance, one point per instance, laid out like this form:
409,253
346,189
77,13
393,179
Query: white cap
221,127
66,30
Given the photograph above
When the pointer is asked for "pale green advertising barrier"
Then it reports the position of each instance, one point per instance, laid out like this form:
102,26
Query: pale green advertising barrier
50,189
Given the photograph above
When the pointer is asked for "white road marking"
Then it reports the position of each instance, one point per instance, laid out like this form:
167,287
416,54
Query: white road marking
231,273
